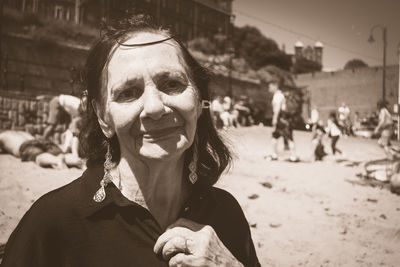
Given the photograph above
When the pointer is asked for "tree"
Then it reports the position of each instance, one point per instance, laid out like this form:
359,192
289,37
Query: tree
355,64
270,73
203,45
303,65
258,50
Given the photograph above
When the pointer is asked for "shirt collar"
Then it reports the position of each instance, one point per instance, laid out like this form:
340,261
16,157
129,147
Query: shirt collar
200,199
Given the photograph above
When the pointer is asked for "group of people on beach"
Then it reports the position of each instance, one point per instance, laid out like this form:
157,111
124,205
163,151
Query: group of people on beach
319,130
58,147
337,125
228,113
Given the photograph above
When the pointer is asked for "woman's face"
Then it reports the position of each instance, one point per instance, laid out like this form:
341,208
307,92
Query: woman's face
150,102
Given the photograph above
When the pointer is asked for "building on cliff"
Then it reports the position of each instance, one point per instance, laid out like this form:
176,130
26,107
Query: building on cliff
188,18
314,53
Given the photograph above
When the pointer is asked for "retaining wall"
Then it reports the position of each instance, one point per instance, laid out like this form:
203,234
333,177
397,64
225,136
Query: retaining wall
360,89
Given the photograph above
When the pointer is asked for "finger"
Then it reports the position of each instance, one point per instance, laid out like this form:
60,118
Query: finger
170,233
207,230
180,260
174,246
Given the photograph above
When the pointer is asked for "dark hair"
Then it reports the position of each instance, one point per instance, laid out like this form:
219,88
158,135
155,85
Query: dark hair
382,104
213,155
333,116
279,81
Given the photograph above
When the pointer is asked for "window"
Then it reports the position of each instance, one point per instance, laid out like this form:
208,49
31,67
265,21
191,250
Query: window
68,14
58,12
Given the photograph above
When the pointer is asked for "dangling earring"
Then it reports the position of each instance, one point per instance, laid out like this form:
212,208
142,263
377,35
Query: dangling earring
193,163
107,178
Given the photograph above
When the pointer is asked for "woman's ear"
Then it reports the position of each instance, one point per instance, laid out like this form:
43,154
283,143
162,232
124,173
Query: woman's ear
107,130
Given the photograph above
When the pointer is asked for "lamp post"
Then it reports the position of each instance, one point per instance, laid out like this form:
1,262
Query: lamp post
231,51
398,96
384,38
1,38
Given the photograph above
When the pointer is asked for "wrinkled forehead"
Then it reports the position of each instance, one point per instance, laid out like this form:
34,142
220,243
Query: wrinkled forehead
153,51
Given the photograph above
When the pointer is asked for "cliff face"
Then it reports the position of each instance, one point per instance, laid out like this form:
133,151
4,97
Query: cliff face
38,67
31,68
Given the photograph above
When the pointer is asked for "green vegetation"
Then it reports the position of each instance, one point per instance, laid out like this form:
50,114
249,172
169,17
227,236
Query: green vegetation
47,31
355,64
258,50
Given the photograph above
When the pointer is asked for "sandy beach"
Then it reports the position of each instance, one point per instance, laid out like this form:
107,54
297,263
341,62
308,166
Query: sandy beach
301,214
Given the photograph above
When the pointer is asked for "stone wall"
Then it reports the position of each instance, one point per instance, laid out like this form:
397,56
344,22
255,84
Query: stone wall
360,89
39,67
23,112
34,71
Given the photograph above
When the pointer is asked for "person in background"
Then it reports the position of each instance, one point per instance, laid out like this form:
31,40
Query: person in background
384,127
344,119
44,153
281,121
234,115
356,122
243,110
226,115
314,118
71,137
318,146
333,131
216,110
63,109
313,122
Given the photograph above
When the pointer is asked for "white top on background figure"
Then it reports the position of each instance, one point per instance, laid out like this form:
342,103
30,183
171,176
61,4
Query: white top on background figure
344,112
227,104
70,104
216,105
332,128
314,116
278,102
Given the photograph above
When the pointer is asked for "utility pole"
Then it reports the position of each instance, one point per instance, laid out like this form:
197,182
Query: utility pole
1,38
371,40
384,64
77,11
231,51
398,96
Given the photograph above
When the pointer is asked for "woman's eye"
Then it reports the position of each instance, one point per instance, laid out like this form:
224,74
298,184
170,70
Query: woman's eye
173,87
128,95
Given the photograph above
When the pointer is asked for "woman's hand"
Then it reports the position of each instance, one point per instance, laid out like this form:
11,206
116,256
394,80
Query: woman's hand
186,243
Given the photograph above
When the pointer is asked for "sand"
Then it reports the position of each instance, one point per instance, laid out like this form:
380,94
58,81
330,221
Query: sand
301,214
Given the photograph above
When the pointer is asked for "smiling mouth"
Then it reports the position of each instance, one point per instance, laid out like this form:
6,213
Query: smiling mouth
159,134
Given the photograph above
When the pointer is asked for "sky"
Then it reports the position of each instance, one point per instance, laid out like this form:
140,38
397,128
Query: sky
343,26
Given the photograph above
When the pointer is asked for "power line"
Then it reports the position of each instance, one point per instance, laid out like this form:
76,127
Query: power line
304,35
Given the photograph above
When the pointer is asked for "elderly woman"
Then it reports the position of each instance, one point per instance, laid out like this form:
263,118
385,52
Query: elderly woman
146,198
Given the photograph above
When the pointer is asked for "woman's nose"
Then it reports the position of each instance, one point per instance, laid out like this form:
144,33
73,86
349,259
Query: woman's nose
153,105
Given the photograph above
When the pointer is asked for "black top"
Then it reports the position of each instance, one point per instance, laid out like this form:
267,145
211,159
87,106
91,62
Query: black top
66,227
